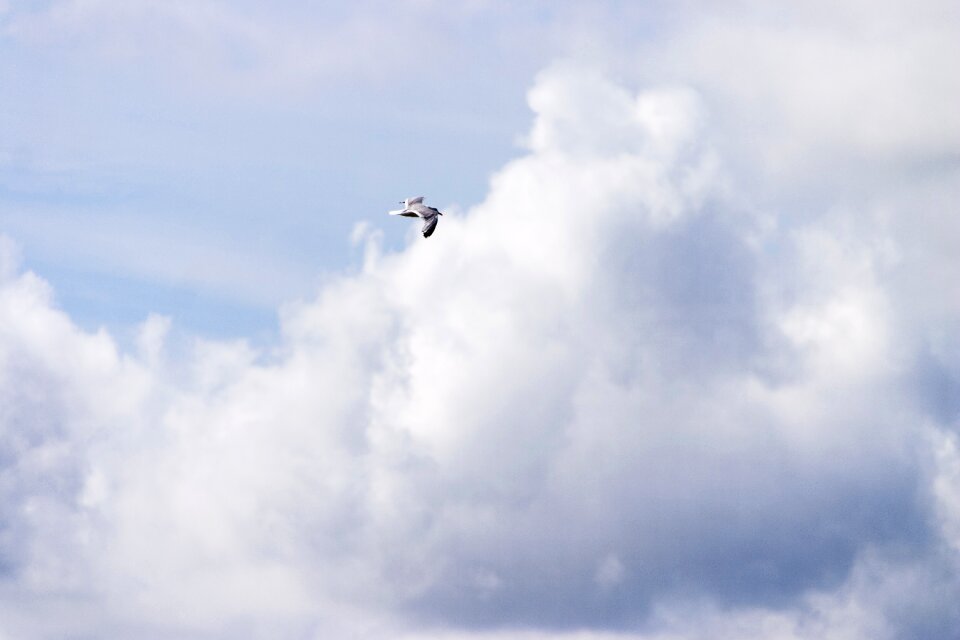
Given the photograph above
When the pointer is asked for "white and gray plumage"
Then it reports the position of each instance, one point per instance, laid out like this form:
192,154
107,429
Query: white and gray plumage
414,208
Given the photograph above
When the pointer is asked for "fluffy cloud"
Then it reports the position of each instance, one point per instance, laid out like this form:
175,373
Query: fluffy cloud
627,394
866,82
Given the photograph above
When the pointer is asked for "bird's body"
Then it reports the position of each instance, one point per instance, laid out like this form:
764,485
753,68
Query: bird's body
414,208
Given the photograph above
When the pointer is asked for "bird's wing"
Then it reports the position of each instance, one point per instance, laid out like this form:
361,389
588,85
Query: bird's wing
423,210
429,224
407,213
416,200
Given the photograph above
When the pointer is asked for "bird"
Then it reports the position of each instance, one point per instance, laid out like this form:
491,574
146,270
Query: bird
414,208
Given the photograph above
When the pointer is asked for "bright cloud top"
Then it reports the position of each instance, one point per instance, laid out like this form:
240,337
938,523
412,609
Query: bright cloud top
628,393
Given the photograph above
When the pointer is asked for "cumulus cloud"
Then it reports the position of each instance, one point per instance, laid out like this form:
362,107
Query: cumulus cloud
868,81
626,395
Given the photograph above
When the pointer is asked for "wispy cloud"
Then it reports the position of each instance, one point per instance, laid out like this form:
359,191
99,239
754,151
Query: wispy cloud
152,249
212,45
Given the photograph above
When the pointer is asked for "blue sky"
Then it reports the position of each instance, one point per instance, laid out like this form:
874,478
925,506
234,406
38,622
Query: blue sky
210,162
680,361
128,174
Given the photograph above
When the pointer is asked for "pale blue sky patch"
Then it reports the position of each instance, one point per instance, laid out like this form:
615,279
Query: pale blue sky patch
262,135
679,360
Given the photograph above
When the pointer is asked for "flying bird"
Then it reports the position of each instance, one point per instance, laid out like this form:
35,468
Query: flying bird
414,208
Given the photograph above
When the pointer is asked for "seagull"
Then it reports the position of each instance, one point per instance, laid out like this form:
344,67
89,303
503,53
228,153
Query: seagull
414,208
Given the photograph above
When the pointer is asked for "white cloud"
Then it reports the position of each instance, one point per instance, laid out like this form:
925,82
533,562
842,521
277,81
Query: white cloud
946,487
623,395
824,88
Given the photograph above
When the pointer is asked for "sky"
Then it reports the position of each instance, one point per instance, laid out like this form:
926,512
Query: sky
681,360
